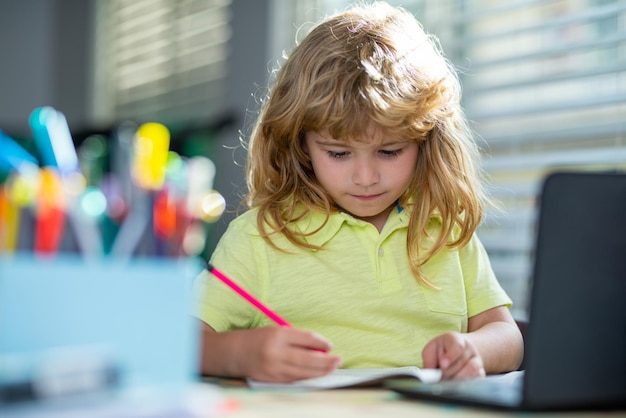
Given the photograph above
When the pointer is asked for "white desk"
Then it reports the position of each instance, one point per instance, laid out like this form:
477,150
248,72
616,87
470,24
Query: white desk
242,402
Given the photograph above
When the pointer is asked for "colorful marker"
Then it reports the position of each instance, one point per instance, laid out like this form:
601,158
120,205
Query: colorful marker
13,157
50,213
54,140
150,154
151,148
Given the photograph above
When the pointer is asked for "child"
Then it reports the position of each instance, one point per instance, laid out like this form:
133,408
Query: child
364,200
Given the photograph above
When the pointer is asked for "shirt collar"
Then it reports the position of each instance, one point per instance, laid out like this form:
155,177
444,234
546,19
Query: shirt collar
307,225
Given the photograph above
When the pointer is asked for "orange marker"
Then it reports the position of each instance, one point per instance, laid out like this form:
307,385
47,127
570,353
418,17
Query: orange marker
50,213
9,221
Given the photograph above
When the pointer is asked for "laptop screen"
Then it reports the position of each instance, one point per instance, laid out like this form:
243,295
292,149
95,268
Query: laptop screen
576,339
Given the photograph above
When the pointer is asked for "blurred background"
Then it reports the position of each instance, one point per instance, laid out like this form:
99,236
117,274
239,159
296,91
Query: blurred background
544,84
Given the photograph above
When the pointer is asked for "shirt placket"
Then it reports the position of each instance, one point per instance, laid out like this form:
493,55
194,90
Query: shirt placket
386,269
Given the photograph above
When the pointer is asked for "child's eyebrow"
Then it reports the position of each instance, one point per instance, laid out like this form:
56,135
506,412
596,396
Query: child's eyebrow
337,142
394,142
334,142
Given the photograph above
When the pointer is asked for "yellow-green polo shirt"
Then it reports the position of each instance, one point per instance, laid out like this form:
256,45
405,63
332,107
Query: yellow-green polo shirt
358,290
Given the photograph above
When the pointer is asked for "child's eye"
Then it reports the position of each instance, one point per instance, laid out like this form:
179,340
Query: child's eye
390,153
337,154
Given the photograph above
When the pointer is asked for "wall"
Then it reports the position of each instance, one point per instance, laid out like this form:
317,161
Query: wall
248,71
47,59
45,50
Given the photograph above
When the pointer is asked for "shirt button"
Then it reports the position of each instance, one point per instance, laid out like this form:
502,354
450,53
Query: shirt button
381,252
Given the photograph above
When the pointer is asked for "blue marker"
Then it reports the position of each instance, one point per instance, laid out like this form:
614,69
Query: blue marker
13,157
40,134
54,140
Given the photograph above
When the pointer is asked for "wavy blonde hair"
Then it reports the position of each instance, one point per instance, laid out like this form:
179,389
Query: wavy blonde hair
370,65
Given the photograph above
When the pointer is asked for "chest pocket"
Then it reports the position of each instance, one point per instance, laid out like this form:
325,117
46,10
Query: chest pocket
444,271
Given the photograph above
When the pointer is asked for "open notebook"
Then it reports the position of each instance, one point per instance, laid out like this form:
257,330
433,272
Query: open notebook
73,330
353,377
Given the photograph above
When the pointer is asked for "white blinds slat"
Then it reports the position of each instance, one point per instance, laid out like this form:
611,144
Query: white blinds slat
164,59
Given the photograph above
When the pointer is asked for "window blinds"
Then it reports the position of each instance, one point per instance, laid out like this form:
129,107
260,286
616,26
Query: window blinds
545,84
162,60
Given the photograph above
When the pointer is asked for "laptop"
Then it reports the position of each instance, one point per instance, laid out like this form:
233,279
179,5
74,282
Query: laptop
97,337
575,345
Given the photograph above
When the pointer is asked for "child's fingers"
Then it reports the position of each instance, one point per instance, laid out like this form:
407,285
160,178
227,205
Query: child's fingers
311,340
307,363
298,354
312,351
471,369
305,367
454,361
461,359
430,355
439,352
454,355
295,362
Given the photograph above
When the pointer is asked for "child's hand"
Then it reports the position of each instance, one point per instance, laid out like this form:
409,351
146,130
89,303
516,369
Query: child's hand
455,355
279,354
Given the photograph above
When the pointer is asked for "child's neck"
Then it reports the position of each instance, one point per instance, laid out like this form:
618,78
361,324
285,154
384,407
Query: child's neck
378,220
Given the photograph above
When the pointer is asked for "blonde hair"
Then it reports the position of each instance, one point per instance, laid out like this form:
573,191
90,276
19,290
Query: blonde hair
368,65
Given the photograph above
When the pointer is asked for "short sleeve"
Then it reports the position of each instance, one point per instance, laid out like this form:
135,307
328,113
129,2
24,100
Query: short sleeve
236,255
483,291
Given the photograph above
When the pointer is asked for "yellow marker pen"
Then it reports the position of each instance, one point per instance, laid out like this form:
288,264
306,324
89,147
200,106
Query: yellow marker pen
151,146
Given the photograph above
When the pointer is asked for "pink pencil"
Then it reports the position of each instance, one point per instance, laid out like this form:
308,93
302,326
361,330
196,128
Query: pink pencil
247,296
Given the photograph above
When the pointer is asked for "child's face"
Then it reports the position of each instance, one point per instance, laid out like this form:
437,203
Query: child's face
363,178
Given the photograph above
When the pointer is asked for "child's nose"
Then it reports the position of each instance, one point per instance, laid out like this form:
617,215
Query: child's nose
365,173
